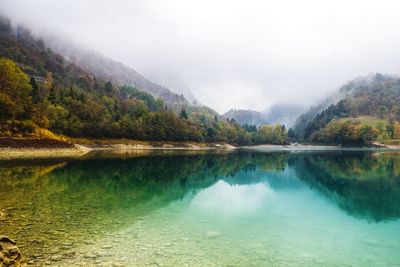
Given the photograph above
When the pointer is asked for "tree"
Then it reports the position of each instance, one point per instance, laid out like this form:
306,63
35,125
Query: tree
291,133
35,90
15,90
203,120
396,131
52,95
390,129
183,114
368,134
108,87
382,112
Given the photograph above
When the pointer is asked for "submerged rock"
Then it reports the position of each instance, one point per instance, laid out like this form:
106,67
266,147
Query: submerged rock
3,214
212,234
10,256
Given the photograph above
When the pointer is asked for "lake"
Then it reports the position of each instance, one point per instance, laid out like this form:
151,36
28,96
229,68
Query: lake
243,208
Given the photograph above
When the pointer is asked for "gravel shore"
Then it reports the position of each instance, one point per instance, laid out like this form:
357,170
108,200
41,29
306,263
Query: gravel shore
12,148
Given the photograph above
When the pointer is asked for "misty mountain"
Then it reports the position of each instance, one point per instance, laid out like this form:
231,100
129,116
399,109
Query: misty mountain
286,114
87,61
376,96
105,68
278,114
20,44
34,58
306,117
242,116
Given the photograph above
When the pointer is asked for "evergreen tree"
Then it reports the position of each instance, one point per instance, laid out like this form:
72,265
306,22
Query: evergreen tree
183,114
35,91
203,120
108,87
52,95
390,129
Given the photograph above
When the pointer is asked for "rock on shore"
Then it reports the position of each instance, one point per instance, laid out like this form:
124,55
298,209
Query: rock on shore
10,256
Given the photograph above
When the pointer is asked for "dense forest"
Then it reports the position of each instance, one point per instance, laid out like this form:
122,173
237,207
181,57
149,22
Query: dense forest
42,93
369,112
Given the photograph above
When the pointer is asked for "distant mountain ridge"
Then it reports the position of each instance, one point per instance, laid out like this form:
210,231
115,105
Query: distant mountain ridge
286,114
242,116
278,114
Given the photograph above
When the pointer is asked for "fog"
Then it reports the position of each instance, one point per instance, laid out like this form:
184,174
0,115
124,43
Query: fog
231,54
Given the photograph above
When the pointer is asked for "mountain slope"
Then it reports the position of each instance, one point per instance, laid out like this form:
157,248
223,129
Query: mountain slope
277,114
42,93
283,114
108,69
18,43
376,96
348,91
242,116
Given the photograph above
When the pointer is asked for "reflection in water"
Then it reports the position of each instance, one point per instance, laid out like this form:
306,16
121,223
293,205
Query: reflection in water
365,185
243,208
232,200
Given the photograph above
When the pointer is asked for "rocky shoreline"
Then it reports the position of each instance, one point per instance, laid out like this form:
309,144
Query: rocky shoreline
14,148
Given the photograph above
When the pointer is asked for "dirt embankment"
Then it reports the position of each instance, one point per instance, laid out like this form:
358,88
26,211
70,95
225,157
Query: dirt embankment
34,143
25,148
130,144
15,148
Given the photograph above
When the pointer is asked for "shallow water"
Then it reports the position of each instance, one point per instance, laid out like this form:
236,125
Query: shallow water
209,209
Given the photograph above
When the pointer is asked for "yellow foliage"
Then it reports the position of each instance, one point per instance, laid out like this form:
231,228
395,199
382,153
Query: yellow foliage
396,133
46,134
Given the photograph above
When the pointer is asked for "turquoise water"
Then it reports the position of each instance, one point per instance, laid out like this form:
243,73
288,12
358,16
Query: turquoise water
209,209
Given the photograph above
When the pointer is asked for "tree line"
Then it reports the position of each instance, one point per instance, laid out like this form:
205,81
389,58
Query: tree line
92,108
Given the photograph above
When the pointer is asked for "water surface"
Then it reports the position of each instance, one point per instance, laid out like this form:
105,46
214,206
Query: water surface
208,209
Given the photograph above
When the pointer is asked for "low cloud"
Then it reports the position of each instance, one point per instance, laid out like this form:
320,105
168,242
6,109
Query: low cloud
231,54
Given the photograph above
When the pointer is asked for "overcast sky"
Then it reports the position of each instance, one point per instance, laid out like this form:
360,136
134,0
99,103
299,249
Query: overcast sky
231,54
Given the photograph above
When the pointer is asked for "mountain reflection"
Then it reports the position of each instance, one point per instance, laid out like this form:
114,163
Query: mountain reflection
43,200
366,185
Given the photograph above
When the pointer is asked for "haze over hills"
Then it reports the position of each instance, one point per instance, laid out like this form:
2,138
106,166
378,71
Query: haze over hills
278,114
107,92
284,114
107,69
246,116
363,111
352,90
103,68
308,115
43,95
92,63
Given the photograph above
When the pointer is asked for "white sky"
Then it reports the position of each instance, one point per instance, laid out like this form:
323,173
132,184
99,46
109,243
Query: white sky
229,53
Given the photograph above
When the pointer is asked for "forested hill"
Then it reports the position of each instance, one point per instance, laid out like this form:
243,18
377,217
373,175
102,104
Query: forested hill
368,111
19,44
107,69
42,93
